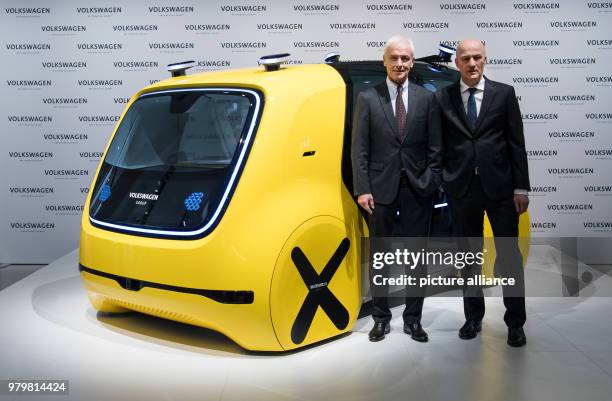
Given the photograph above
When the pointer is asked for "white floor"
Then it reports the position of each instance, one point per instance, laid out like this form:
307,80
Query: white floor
49,331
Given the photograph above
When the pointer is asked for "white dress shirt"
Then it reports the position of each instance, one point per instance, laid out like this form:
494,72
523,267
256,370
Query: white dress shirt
392,86
478,95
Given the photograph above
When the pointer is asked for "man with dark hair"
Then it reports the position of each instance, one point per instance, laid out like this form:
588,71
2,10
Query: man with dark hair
485,170
396,158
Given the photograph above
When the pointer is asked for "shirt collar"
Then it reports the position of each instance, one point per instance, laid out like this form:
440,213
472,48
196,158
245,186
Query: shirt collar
480,85
393,86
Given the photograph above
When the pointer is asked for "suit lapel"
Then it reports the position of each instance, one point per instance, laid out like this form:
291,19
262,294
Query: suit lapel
487,99
385,103
455,95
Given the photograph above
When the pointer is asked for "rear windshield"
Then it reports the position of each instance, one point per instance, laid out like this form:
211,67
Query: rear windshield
174,161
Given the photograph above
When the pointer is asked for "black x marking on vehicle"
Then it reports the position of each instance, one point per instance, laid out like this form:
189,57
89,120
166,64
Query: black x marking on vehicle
318,292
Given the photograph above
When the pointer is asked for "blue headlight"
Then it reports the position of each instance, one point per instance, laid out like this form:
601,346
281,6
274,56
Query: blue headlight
193,201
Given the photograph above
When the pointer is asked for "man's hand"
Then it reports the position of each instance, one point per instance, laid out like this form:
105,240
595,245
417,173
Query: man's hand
366,201
521,202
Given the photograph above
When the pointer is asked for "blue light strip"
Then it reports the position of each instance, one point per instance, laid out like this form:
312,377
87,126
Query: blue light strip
228,187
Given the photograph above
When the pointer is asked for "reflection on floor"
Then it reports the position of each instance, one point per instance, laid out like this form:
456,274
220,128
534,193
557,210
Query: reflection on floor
49,331
10,274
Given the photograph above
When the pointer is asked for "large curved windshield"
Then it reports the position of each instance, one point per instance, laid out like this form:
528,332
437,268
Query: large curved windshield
173,160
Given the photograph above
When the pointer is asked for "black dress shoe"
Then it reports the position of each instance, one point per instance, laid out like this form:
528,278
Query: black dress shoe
416,332
470,329
516,337
379,330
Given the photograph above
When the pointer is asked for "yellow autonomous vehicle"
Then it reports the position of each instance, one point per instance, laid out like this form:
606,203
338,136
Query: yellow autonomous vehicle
224,200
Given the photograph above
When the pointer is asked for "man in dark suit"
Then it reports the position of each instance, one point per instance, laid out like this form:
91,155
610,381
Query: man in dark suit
485,170
396,158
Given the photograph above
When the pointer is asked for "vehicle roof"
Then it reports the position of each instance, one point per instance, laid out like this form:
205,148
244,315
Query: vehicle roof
255,77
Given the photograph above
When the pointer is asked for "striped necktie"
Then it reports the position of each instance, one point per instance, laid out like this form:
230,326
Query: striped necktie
400,111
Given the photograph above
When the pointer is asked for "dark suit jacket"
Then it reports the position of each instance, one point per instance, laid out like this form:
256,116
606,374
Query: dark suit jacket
379,152
496,146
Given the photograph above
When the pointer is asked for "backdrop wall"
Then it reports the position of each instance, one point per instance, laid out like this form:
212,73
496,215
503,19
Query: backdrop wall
69,67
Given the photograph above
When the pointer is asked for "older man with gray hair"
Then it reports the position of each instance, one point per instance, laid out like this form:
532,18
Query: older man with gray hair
396,159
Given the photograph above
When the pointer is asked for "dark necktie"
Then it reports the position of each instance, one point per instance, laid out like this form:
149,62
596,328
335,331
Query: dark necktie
400,111
472,114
